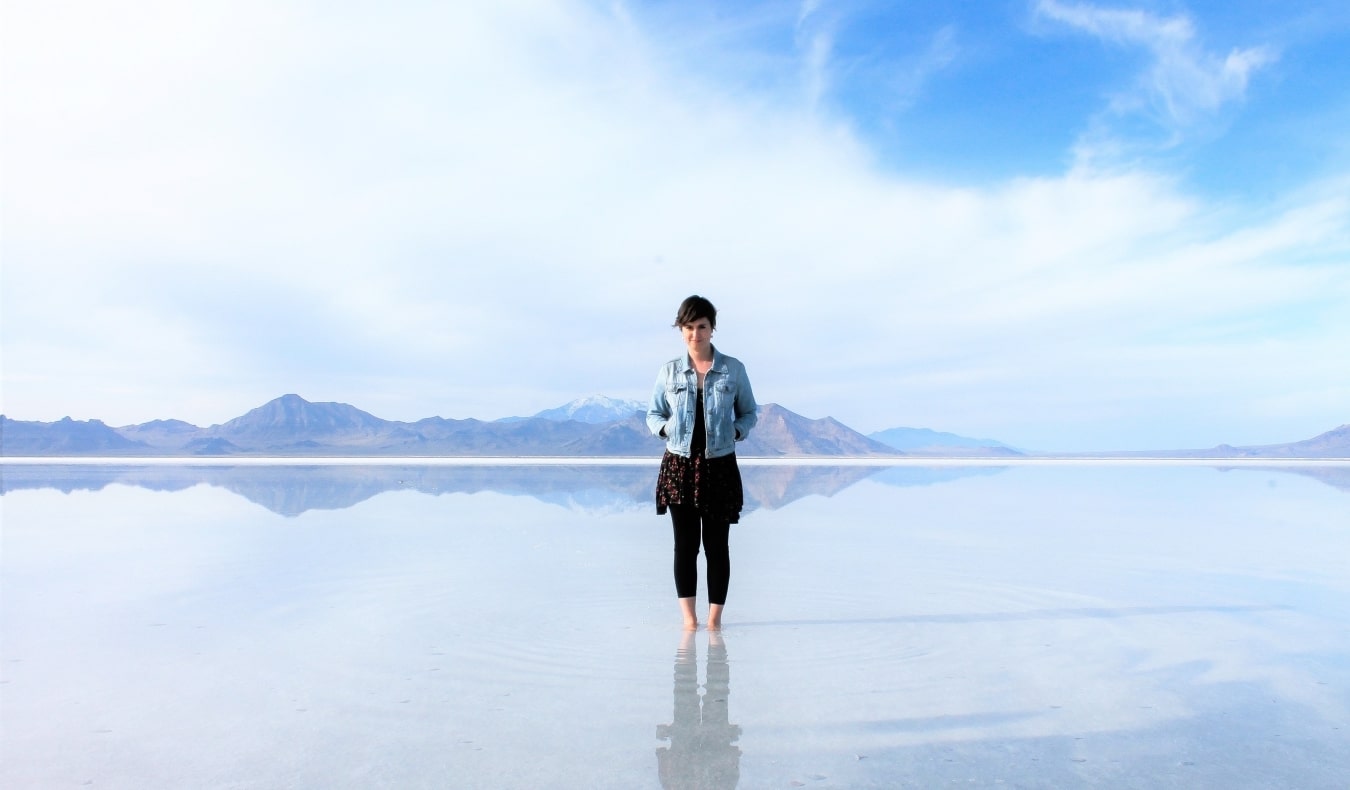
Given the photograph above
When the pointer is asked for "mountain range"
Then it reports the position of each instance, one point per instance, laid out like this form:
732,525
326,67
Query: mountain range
291,426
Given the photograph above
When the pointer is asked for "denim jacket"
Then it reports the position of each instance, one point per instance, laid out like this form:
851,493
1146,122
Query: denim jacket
729,410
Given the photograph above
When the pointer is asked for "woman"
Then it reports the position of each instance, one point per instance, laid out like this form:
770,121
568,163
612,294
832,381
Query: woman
702,405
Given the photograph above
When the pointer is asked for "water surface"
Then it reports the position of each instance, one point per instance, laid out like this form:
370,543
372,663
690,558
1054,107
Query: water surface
413,626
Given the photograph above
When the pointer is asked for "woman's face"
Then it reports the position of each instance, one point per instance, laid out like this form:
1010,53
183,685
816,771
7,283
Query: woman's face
697,336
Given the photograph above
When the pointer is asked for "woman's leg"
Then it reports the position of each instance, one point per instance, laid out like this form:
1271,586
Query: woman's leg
689,614
716,535
685,524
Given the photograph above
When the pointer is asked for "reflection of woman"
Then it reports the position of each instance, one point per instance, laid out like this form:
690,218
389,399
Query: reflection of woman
701,405
702,753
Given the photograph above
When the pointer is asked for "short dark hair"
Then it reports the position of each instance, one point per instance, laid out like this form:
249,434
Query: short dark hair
694,308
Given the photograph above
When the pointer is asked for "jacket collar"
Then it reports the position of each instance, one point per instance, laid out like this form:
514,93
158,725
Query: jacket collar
719,362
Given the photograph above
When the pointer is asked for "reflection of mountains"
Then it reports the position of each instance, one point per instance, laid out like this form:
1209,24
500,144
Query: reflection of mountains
292,490
928,475
1334,476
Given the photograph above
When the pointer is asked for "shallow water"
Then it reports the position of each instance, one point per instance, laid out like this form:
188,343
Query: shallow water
410,626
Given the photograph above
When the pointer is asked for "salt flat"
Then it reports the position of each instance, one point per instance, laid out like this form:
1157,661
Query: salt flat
1025,625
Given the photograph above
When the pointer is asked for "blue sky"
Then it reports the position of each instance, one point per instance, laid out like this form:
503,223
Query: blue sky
1062,225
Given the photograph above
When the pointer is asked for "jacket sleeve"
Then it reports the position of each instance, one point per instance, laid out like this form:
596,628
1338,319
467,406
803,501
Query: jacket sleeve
658,408
747,411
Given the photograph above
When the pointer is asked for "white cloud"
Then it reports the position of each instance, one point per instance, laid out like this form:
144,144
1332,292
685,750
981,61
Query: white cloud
1182,85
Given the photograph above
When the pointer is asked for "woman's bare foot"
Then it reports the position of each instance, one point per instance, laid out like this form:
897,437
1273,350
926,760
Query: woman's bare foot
715,617
690,616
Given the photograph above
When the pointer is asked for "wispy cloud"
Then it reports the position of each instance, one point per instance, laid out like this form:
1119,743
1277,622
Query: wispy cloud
1181,86
836,45
816,49
806,10
914,73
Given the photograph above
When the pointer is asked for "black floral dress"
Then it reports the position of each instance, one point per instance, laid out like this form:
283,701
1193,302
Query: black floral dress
711,485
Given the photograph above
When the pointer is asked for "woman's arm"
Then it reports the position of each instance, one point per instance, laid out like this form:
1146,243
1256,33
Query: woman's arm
747,411
658,408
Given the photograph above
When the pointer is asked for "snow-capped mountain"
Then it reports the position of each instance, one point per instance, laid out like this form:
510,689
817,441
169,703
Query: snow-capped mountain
595,409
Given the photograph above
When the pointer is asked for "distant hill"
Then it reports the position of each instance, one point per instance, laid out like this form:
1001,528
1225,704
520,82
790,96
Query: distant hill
922,441
531,436
626,437
780,432
1335,443
64,437
160,432
293,422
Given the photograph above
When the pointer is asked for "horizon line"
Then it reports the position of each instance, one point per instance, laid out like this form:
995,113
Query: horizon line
594,460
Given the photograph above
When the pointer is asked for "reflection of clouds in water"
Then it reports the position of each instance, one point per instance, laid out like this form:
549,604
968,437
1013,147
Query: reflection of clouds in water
1184,701
1099,613
1113,689
702,751
1227,734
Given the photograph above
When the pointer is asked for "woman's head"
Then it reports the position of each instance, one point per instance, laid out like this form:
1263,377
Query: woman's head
694,308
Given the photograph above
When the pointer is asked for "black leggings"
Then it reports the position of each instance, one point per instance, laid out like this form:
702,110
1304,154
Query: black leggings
690,527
